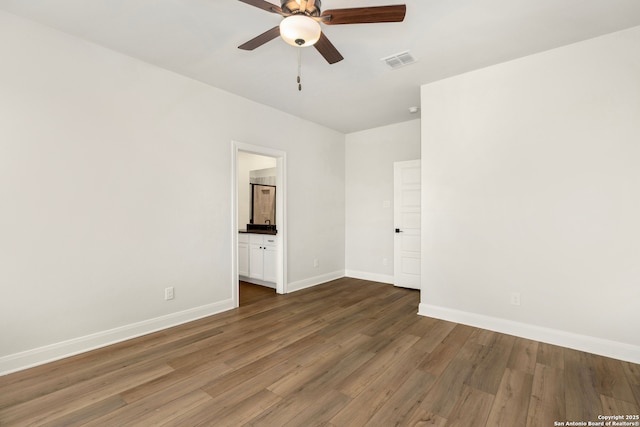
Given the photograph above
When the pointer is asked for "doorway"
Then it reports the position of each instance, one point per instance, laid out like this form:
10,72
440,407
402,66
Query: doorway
241,201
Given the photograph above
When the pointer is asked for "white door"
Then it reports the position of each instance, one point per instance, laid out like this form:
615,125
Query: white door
256,261
406,217
270,262
243,259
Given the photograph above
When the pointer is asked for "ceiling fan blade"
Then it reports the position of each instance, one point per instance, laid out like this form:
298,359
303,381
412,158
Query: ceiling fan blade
328,50
365,15
264,5
263,38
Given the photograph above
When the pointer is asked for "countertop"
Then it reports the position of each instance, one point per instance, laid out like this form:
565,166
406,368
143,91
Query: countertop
273,233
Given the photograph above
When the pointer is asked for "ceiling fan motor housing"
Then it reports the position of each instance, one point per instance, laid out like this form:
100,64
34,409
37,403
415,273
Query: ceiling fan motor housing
293,6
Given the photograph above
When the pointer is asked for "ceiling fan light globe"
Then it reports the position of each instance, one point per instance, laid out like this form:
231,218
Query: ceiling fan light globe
300,30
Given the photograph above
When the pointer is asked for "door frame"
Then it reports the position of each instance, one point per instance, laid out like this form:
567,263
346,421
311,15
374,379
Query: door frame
281,214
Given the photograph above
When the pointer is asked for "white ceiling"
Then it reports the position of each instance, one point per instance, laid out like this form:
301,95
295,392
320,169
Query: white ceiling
199,39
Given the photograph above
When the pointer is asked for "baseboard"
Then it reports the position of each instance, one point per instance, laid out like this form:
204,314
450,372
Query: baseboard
313,281
600,346
257,282
374,277
39,356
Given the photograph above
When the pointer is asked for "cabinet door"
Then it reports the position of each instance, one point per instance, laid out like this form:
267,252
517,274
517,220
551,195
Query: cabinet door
243,259
270,255
256,261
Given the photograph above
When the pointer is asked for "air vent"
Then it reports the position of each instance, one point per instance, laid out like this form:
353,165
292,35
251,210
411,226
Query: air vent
399,60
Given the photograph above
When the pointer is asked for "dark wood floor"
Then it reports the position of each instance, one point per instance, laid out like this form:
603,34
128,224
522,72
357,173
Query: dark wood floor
250,293
346,353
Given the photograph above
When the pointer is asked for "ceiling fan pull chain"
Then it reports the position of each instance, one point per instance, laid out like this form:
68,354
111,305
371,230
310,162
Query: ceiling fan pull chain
299,68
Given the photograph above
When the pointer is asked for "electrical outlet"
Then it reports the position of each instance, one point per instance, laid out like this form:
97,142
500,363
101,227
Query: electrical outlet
386,203
315,262
515,298
385,261
168,293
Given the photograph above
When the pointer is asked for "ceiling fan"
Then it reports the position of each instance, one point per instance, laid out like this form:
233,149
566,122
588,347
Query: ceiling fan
300,26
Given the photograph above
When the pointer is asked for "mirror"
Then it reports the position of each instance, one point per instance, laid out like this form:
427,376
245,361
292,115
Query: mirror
263,204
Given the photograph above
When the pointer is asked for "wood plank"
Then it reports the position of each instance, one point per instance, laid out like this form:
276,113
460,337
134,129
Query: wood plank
511,403
360,379
546,405
153,410
582,398
379,391
425,419
423,326
611,406
483,337
243,411
282,412
175,383
388,318
523,355
249,396
302,407
636,392
550,355
448,348
325,375
433,336
472,408
632,373
611,379
271,368
305,327
83,416
447,388
319,411
78,396
404,401
490,364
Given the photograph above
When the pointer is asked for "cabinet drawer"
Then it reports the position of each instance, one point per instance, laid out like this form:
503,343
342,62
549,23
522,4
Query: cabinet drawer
262,239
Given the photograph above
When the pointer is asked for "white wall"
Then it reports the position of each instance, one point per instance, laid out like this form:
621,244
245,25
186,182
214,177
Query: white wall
115,182
530,185
246,163
370,155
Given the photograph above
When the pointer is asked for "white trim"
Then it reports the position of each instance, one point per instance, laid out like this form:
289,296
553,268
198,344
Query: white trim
374,277
603,347
257,281
316,280
49,353
234,226
281,214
